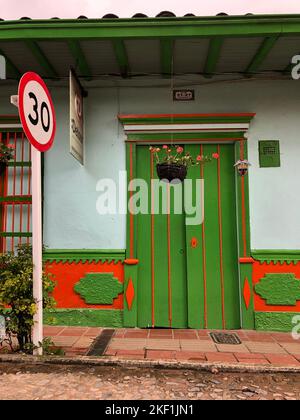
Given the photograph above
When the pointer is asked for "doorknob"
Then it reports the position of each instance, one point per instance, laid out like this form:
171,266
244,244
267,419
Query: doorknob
194,243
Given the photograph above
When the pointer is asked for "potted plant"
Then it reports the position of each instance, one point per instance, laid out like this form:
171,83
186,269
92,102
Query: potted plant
6,154
172,163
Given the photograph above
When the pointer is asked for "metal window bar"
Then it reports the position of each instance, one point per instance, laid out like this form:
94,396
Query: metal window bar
15,194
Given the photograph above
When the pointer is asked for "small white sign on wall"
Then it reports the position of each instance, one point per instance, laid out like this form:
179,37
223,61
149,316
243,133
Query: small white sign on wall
76,119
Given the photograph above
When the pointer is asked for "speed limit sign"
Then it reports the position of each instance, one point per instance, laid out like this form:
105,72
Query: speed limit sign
36,111
37,116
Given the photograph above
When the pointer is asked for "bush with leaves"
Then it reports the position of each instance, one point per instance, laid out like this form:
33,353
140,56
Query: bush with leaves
16,294
6,152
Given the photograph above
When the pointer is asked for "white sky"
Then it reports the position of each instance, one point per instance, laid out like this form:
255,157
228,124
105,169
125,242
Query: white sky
14,9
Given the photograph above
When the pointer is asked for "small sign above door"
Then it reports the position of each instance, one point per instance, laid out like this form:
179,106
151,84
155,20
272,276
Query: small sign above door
184,95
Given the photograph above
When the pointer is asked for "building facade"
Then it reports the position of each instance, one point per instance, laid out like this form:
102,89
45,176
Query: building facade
240,268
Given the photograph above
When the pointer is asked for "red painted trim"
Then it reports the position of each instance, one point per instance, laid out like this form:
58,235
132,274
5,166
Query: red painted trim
169,257
143,116
14,193
221,238
204,252
247,260
131,261
9,116
5,191
152,246
131,210
21,185
242,149
247,293
129,295
29,193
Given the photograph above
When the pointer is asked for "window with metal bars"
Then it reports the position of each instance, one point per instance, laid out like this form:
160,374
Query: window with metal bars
15,192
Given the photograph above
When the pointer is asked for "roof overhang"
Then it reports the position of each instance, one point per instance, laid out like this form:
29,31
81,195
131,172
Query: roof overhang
258,25
205,46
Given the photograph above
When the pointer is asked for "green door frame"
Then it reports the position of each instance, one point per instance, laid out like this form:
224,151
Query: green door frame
242,213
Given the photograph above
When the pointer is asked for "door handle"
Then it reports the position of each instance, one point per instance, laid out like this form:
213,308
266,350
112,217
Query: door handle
194,243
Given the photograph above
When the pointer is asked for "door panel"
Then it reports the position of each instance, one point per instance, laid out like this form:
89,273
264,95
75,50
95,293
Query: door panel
178,289
162,288
211,243
188,275
213,282
230,247
144,247
196,257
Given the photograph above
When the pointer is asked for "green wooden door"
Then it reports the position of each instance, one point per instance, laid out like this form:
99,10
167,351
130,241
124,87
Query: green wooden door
162,279
212,252
188,274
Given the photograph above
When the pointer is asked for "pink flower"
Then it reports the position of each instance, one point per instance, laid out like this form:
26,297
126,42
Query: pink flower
11,146
179,149
216,156
158,149
165,147
199,158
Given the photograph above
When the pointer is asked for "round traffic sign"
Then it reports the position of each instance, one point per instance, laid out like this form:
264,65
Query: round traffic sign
36,111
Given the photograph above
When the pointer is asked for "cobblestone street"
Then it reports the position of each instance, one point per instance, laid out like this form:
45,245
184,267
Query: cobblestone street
115,383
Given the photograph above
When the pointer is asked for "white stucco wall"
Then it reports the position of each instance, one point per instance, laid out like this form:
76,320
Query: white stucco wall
70,218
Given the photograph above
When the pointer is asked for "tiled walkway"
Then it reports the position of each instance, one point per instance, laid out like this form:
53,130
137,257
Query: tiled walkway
278,349
75,341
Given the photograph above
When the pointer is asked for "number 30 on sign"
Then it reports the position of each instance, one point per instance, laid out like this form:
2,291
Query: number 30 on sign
36,111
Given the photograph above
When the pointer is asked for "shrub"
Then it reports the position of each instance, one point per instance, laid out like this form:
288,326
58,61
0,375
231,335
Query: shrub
16,299
6,152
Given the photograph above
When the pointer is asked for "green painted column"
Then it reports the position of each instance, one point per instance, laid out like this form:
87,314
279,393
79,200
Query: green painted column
245,261
131,263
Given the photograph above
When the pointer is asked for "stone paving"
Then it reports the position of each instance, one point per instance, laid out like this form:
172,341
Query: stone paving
257,348
56,382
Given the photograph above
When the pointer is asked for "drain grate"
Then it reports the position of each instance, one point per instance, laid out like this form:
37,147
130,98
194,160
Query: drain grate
225,338
100,344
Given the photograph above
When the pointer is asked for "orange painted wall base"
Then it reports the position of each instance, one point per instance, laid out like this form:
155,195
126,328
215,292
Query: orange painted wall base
259,272
68,274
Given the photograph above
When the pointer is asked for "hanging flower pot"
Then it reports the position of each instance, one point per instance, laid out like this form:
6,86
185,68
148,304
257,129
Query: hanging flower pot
174,163
171,171
242,167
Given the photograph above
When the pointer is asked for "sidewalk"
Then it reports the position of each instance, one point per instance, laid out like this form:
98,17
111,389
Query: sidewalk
257,348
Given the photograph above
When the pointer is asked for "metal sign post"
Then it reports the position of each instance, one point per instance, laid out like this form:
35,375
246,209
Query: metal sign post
37,116
37,248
